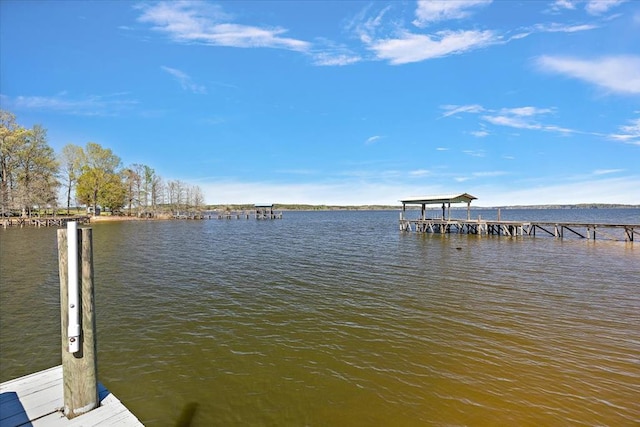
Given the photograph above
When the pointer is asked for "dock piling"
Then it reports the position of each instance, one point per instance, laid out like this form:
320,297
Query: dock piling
80,376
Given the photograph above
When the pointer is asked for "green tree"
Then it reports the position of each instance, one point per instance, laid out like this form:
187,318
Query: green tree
11,139
28,166
37,170
98,178
113,194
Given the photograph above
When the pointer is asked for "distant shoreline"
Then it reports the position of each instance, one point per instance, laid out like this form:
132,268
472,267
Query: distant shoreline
290,207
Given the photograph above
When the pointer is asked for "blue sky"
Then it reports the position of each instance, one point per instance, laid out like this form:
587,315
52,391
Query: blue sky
515,102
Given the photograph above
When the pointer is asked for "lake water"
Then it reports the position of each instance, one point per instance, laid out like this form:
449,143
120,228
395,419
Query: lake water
339,319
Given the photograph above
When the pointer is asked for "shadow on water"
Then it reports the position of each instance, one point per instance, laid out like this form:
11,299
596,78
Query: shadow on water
187,414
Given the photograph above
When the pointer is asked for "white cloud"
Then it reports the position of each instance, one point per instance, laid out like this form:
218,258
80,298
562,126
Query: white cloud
452,110
474,153
564,4
593,7
518,117
185,80
511,121
563,28
420,172
489,174
332,59
200,22
598,7
607,171
439,10
628,133
93,105
410,47
620,74
479,133
373,139
332,193
589,190
526,111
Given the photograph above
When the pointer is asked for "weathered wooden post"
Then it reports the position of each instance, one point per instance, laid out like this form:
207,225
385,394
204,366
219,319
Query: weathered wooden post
79,362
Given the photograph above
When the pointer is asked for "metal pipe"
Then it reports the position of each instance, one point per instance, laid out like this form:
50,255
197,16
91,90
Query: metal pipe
73,328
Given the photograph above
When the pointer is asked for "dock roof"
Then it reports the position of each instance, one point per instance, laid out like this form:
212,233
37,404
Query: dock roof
430,200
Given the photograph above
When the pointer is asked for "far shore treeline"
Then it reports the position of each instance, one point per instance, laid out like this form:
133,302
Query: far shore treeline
33,175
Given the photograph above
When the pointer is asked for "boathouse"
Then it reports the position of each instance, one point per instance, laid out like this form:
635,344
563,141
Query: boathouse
265,211
445,200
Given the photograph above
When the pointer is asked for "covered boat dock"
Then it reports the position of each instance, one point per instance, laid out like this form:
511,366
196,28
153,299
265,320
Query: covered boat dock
445,200
445,224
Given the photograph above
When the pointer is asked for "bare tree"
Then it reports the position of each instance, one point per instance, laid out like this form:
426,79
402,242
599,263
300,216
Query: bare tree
71,160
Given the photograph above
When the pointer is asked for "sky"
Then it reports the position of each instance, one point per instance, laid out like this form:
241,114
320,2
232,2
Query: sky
341,102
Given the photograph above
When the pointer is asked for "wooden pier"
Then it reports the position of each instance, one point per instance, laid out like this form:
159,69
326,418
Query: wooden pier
559,230
37,400
44,221
446,224
261,211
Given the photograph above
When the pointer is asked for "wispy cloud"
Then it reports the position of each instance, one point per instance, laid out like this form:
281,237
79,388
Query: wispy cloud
555,27
474,153
593,7
607,171
527,117
373,139
452,110
488,174
429,11
419,173
91,105
203,23
479,133
185,80
410,47
335,59
598,7
619,74
629,133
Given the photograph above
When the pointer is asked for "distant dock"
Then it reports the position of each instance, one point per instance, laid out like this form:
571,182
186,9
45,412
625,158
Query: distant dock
37,400
445,224
260,211
44,221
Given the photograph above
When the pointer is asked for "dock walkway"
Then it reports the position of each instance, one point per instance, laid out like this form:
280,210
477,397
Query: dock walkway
561,230
37,400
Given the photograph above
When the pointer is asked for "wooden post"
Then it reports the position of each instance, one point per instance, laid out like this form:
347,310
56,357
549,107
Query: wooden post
80,369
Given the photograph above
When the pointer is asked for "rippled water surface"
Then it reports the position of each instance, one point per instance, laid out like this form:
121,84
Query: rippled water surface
337,318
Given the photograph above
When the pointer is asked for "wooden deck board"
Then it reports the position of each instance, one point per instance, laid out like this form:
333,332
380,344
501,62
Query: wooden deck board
37,400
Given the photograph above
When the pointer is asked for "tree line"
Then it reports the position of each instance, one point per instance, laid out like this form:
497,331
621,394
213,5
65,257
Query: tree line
32,176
